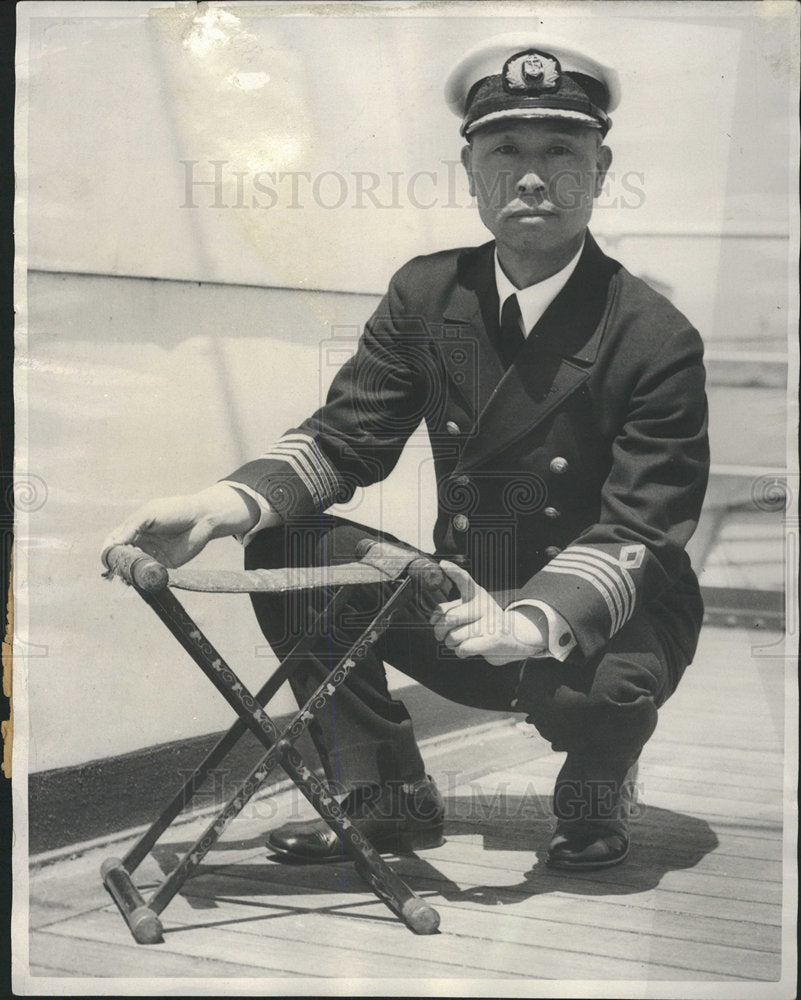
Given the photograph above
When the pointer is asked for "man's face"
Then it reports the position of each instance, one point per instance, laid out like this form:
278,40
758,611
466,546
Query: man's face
535,182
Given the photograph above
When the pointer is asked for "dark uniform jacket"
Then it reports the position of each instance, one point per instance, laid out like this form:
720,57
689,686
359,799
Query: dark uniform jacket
575,477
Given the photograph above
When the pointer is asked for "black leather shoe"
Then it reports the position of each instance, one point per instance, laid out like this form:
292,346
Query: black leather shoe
587,847
598,842
395,820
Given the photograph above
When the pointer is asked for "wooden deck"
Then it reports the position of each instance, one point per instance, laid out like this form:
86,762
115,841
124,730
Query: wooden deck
697,908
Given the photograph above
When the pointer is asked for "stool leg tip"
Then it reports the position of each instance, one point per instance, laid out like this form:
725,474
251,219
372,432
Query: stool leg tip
146,926
420,917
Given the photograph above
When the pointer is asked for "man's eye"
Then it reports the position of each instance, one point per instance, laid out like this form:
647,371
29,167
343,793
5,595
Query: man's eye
506,148
560,150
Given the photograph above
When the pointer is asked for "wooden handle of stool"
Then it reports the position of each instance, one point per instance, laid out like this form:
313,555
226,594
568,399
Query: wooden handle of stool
136,567
431,584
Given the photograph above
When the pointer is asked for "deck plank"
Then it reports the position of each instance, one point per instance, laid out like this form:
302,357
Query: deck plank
506,880
700,898
722,799
462,886
294,941
81,955
559,928
473,946
637,876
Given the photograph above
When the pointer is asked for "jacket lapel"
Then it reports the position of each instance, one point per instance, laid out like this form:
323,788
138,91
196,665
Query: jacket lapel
555,360
470,328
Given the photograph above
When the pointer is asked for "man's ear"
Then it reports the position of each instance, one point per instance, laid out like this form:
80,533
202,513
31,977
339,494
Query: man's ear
467,160
603,163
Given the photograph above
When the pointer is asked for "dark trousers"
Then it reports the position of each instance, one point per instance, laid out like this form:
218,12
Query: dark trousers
600,710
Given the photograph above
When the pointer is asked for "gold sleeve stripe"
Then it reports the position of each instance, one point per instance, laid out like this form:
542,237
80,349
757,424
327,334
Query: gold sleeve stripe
609,578
622,573
303,454
598,584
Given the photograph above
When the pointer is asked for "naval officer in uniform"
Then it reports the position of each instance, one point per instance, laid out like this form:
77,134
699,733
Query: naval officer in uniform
564,401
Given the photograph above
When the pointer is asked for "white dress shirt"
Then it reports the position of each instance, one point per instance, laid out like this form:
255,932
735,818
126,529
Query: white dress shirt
533,301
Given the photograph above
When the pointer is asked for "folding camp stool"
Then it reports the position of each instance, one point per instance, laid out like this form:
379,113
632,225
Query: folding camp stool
409,576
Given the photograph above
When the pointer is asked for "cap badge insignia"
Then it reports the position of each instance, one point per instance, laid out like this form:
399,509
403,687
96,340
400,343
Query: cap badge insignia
532,73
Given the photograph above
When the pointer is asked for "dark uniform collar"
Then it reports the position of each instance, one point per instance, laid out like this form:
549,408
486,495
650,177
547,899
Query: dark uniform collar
571,325
554,362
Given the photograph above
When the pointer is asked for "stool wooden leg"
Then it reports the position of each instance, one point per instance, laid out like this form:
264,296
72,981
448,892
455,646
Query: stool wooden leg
384,882
134,857
389,887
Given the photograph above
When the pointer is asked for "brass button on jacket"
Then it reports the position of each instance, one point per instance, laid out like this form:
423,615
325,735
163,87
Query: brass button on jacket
461,522
552,551
559,465
453,428
552,513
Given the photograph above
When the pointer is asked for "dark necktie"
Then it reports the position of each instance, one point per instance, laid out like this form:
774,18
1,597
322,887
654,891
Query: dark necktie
511,339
